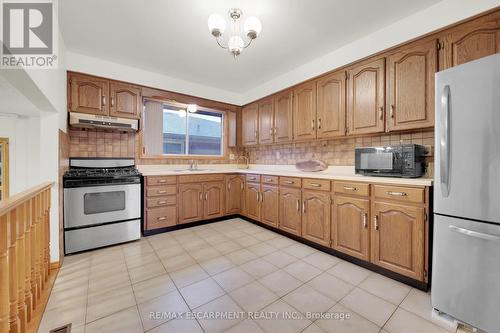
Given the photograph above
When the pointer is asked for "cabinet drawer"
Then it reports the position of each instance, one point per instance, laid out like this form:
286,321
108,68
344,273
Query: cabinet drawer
161,217
316,184
161,201
153,191
253,178
291,182
269,179
160,180
351,188
201,178
399,193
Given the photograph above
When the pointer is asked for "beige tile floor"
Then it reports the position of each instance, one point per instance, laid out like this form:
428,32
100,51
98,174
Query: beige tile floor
230,267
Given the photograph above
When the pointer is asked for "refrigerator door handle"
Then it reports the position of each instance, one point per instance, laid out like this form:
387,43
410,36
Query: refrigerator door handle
475,234
444,152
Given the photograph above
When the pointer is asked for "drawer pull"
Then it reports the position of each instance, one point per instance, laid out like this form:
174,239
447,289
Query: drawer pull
252,178
365,220
375,219
162,191
162,181
350,188
397,194
161,202
163,218
315,185
288,182
269,180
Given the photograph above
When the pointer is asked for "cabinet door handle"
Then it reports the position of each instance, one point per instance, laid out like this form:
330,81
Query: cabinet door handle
256,134
229,186
200,196
381,113
275,130
303,206
397,194
312,124
112,101
242,186
298,205
163,218
319,123
161,202
271,131
258,197
375,220
206,196
103,100
365,220
392,111
350,188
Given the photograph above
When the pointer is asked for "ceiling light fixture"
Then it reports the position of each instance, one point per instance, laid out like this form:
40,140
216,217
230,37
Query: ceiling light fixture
235,41
192,108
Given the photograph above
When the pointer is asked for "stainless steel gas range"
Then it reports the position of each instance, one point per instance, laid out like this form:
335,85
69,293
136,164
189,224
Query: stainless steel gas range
102,203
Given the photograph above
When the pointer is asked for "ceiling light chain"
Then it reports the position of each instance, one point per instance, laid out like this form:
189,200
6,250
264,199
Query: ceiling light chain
235,42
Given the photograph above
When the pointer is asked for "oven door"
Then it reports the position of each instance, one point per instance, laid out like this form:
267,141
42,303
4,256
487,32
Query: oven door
84,206
383,160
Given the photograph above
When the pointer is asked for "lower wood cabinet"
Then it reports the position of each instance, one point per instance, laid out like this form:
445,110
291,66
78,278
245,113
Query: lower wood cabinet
252,201
316,216
213,206
350,226
235,195
397,238
269,200
290,210
190,202
161,217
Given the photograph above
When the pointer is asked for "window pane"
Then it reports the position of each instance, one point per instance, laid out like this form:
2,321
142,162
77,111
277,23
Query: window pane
174,131
205,133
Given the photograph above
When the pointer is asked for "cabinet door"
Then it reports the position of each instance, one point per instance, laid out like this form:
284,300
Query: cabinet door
304,111
316,217
249,117
269,205
88,95
411,87
331,105
214,200
125,100
473,40
252,201
397,238
290,205
283,129
366,95
266,121
235,194
350,231
190,202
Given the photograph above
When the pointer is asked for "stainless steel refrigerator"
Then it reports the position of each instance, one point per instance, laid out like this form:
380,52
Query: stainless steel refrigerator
466,243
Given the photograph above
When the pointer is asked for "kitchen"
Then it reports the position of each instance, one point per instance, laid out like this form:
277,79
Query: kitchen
329,193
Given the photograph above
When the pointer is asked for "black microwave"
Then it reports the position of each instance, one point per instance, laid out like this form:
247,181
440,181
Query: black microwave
405,161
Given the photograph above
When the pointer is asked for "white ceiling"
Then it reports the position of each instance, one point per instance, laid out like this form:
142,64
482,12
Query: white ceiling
171,37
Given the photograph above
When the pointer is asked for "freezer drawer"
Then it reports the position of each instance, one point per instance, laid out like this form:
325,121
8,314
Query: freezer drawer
103,235
466,271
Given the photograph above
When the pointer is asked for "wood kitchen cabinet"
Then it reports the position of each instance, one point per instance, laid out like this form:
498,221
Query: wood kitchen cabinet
235,194
266,121
410,86
190,202
397,238
290,218
252,201
269,201
125,100
316,216
304,111
160,202
213,206
330,119
283,110
250,116
366,98
88,94
350,226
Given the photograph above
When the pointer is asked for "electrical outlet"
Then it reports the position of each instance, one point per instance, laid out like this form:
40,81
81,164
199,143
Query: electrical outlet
429,150
231,157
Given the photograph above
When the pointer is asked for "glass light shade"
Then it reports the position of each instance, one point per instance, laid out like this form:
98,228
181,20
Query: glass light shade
216,24
235,45
192,108
252,27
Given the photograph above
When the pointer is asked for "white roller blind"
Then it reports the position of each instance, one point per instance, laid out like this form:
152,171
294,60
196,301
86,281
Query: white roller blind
153,128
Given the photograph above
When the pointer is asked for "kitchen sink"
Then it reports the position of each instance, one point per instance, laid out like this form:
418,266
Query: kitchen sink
190,170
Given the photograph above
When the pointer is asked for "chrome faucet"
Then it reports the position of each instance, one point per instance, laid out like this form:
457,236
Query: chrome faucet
193,165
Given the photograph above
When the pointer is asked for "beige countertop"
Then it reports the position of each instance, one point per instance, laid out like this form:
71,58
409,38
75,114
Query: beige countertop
332,173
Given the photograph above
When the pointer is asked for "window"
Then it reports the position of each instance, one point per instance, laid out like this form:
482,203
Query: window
192,133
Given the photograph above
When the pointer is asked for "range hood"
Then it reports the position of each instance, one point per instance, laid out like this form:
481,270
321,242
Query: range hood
94,121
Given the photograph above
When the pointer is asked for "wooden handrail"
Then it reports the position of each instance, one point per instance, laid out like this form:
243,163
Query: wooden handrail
24,256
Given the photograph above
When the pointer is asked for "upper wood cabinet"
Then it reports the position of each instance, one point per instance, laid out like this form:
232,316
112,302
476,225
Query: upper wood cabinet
331,105
350,226
252,201
316,216
410,88
397,238
266,121
304,111
269,205
125,100
283,129
213,206
289,210
472,40
88,94
366,97
250,116
190,202
235,194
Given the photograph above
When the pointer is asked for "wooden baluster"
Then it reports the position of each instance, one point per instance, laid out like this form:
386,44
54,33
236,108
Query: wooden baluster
39,259
47,236
13,317
4,275
28,298
21,305
34,257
